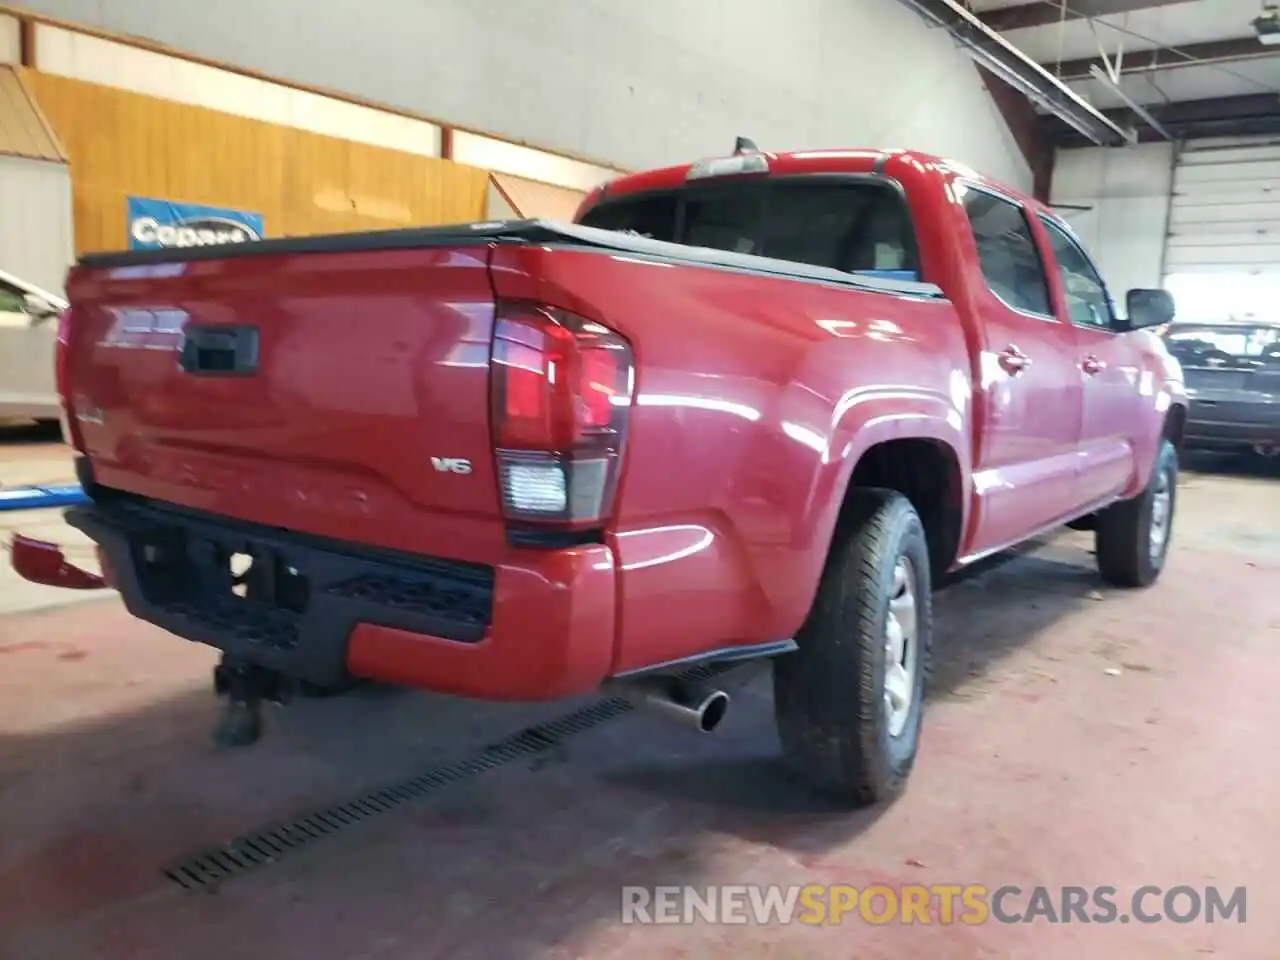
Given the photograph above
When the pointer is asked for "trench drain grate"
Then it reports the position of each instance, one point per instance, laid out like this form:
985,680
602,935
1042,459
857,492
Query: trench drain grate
204,871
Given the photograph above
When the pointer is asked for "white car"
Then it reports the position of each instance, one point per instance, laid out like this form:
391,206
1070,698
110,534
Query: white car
28,338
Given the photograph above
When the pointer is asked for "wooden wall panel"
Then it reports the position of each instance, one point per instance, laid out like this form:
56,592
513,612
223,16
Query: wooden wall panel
123,143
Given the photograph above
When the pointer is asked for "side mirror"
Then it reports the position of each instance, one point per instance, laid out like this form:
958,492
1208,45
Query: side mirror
1148,308
38,308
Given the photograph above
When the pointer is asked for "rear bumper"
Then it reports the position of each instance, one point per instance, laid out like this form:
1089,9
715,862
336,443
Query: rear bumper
539,626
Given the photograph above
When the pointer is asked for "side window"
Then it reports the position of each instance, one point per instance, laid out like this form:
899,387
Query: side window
1087,302
12,299
1007,252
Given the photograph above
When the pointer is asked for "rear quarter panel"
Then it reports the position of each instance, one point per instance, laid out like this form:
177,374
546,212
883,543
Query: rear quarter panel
755,397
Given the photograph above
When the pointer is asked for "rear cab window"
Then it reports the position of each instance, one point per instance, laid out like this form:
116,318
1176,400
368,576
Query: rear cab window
652,216
853,223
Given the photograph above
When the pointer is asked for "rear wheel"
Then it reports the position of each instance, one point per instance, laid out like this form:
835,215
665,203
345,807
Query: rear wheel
1132,538
849,701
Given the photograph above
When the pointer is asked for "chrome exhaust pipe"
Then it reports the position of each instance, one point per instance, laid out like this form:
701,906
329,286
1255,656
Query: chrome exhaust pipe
691,704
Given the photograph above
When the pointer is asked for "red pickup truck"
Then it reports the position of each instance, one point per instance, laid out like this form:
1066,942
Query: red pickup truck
749,407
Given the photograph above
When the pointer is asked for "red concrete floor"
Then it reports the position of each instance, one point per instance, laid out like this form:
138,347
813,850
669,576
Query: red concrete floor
1077,736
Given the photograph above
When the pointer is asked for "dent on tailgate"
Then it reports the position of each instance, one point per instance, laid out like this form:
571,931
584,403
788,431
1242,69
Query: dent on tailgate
369,371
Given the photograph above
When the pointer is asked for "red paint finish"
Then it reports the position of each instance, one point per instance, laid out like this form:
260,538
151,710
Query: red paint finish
755,396
745,427
41,562
551,636
370,365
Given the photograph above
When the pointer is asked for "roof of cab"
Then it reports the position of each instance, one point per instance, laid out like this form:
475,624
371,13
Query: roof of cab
838,160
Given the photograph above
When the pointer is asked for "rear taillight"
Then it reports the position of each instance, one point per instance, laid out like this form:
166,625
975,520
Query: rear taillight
561,393
62,381
61,353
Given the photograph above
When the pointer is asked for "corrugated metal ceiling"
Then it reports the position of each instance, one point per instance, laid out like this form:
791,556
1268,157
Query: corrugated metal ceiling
1172,51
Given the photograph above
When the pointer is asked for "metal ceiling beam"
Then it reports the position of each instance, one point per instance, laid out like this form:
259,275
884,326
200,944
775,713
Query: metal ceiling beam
1140,109
1163,58
1044,12
1018,70
1249,115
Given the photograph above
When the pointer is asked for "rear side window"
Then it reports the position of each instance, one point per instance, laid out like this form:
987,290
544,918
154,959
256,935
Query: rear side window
1007,251
850,225
1087,301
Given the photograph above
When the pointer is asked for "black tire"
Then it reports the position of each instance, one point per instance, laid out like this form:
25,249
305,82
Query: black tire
829,694
1126,556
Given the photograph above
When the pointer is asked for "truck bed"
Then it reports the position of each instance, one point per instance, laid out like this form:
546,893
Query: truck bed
537,232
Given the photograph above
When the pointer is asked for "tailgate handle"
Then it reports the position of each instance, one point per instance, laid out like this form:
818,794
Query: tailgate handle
220,351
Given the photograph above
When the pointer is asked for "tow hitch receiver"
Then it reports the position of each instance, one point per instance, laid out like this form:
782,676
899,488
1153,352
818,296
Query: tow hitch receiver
247,687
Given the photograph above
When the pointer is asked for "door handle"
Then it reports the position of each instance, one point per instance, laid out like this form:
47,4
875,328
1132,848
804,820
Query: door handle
1012,360
1092,365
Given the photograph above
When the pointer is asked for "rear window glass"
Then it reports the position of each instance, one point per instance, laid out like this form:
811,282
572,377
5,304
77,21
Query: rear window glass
729,219
851,225
649,216
1209,345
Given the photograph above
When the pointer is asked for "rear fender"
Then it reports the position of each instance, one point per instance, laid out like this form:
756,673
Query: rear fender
864,418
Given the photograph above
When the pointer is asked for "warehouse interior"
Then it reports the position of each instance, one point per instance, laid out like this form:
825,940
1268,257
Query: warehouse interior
1079,737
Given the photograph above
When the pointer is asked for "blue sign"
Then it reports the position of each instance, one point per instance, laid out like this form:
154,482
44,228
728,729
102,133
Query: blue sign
159,224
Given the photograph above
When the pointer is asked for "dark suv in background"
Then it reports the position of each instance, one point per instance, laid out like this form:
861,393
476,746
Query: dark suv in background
1232,371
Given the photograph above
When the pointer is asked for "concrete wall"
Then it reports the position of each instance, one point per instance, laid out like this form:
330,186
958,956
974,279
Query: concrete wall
1127,189
632,84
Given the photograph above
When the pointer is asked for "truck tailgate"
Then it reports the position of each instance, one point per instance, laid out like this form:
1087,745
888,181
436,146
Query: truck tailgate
344,395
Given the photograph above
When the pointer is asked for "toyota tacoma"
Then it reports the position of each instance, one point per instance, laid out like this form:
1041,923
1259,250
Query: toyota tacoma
750,407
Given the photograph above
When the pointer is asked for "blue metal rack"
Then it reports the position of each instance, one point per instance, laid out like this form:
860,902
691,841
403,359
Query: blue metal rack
38,498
